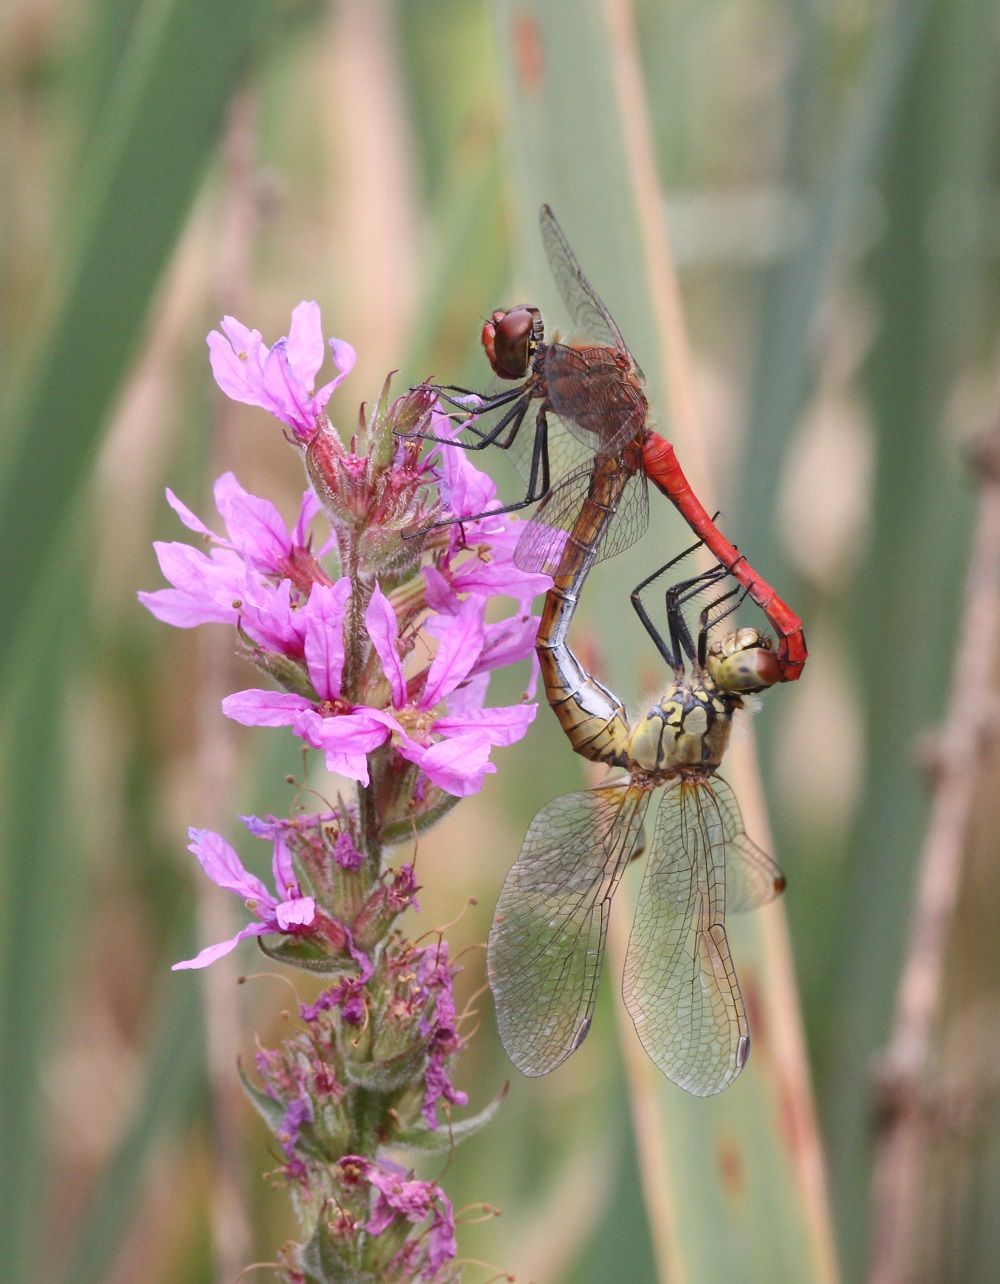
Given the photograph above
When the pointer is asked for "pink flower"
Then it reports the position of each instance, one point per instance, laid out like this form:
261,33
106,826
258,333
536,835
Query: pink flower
400,1196
451,745
291,914
235,581
280,379
346,733
451,748
438,1025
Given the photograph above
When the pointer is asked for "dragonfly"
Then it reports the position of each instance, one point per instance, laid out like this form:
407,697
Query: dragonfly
595,388
546,943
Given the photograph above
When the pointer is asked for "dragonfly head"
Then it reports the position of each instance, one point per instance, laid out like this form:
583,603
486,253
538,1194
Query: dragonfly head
743,662
510,339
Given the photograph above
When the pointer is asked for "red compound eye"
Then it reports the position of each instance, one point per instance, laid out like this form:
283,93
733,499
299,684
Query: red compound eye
510,339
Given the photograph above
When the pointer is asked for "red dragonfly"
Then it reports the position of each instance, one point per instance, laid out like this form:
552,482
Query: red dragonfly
594,386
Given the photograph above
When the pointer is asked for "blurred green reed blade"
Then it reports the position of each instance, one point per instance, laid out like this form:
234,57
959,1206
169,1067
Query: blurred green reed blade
146,156
175,1075
43,889
145,159
928,278
728,1172
468,206
788,352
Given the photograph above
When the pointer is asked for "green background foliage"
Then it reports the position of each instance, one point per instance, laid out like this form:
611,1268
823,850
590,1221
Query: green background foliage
826,176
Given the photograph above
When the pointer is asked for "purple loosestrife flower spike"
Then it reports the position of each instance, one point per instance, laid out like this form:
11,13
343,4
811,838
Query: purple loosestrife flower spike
376,652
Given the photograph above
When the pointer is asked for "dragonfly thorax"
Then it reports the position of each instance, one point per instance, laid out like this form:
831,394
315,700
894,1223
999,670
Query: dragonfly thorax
688,728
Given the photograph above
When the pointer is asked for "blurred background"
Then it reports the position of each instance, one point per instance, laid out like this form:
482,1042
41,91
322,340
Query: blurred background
791,209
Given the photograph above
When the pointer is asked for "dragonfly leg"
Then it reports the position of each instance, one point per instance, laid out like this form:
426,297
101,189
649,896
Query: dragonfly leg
485,437
678,597
486,403
538,482
673,658
708,621
540,486
681,644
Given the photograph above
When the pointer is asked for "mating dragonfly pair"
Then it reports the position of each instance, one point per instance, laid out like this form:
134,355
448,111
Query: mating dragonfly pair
588,463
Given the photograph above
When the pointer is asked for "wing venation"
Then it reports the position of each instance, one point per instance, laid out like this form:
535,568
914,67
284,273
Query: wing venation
679,984
547,939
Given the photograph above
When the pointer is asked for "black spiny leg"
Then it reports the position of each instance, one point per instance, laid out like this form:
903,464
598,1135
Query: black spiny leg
539,480
708,621
673,658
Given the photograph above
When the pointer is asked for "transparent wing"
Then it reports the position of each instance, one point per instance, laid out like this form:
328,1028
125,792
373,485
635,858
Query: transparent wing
582,301
567,452
679,985
543,542
547,939
752,877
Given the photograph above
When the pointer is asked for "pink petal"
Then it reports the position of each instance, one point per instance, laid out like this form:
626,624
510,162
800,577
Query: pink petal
282,867
176,607
380,621
506,642
503,726
467,491
192,522
191,569
212,952
269,617
358,732
304,347
221,863
258,530
255,526
286,395
532,684
352,765
299,911
439,594
256,708
457,765
457,654
236,361
308,509
470,695
344,358
323,616
498,576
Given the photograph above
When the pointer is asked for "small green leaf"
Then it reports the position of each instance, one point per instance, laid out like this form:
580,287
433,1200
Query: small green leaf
392,1073
401,831
434,1141
304,954
323,1264
271,1111
289,674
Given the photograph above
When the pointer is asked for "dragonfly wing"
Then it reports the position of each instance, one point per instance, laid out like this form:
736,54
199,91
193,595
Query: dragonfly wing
584,304
543,543
752,877
547,939
679,985
601,404
567,452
